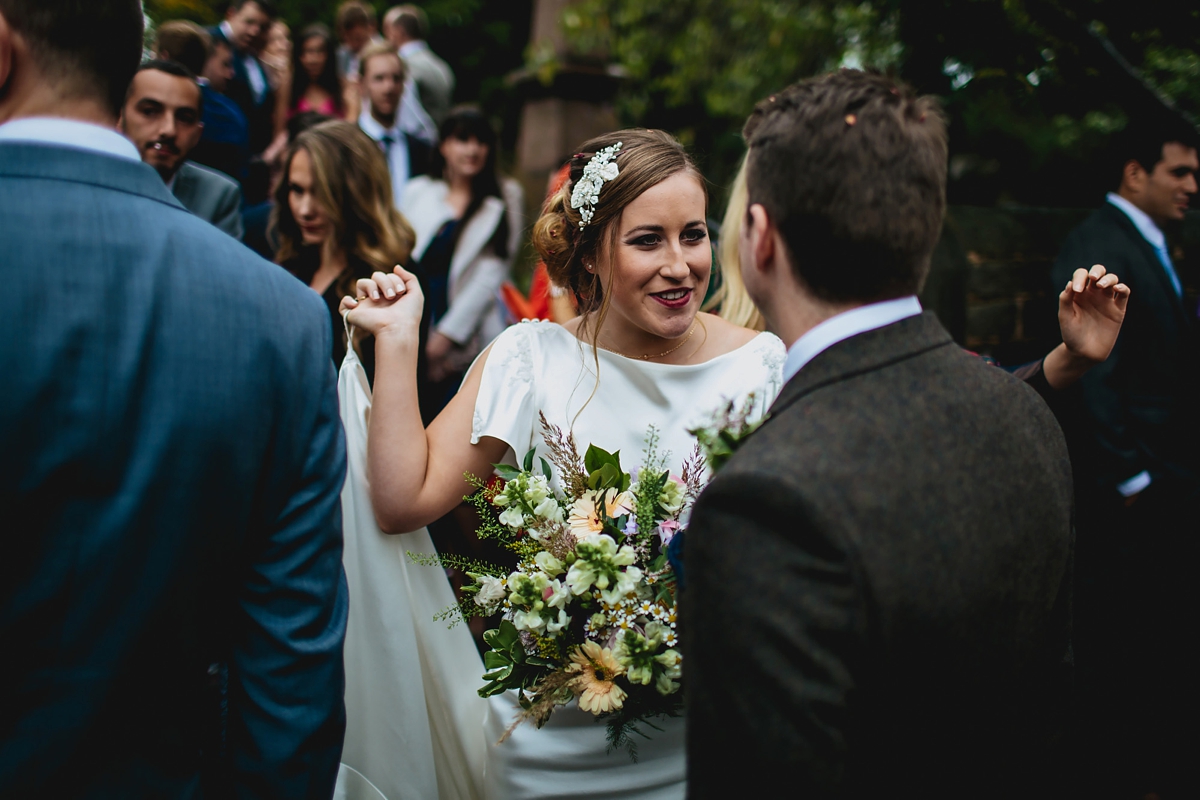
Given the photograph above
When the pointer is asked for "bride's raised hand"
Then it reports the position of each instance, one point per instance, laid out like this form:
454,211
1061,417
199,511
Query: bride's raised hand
386,303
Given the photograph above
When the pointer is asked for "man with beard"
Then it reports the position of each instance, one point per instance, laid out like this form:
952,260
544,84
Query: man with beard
162,117
383,76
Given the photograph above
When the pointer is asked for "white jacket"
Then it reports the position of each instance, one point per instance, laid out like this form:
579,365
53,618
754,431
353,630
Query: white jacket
474,316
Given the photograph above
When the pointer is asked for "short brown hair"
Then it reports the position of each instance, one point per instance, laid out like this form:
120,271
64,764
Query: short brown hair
851,168
87,49
353,13
376,50
184,42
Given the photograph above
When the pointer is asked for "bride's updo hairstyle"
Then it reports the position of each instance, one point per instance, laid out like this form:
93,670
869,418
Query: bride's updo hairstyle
646,158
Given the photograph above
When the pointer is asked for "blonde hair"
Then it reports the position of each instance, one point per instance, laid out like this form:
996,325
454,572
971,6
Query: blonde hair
380,49
352,184
731,300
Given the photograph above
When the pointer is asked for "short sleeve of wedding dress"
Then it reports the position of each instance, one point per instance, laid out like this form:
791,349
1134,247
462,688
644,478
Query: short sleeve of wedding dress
507,408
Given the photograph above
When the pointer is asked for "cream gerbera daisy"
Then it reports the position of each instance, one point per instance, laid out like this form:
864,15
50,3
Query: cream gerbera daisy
597,670
585,518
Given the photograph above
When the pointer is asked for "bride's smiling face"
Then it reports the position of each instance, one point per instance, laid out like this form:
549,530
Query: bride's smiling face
661,262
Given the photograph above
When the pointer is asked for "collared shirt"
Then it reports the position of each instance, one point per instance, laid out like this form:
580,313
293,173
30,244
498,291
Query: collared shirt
1151,233
396,153
254,70
845,325
413,46
69,133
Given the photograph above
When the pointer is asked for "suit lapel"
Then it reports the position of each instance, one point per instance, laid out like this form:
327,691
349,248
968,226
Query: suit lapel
1150,257
864,353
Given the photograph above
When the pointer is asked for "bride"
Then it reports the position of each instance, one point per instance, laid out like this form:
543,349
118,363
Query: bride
627,235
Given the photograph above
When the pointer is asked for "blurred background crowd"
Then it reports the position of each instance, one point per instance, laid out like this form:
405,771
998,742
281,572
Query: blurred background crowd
1035,90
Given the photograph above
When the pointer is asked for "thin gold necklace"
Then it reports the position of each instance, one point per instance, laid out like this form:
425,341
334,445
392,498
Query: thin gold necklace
686,339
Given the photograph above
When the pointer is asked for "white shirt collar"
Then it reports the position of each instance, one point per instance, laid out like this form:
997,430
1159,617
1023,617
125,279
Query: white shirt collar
414,46
845,325
69,133
227,29
374,128
1146,227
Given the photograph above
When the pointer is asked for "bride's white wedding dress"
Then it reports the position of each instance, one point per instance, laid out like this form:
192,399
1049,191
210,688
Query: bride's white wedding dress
534,367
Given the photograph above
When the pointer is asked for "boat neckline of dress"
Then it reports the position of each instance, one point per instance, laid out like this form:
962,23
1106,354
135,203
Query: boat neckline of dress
605,352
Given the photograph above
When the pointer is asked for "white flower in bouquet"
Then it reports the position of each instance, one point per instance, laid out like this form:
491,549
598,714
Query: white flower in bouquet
672,497
513,517
644,659
598,562
492,590
548,564
538,490
549,509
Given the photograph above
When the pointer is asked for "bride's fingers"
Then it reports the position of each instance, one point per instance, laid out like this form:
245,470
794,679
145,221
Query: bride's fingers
384,282
348,304
365,287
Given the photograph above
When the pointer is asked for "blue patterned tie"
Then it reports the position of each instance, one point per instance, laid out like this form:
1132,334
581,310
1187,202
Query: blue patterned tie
1165,258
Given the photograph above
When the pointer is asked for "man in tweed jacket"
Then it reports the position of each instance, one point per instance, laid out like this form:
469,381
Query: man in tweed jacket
879,579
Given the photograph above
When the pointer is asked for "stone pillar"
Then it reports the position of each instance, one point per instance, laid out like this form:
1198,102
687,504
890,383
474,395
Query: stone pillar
574,106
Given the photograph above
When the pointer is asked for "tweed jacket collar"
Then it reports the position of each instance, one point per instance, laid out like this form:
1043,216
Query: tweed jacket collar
864,353
50,162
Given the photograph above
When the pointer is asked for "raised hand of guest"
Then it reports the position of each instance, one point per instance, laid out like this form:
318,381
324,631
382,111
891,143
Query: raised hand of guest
386,303
1090,311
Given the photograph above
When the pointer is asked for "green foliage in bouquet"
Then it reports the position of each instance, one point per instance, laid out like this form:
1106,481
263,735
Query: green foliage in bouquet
589,614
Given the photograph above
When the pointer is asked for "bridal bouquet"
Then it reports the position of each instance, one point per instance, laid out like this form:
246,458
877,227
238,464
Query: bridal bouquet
589,613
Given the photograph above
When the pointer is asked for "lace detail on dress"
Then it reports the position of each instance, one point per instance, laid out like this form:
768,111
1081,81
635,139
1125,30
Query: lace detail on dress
476,427
518,361
773,353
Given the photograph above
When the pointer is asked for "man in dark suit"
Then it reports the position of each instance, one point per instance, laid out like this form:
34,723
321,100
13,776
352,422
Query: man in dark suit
244,29
170,454
1138,479
161,116
879,579
382,79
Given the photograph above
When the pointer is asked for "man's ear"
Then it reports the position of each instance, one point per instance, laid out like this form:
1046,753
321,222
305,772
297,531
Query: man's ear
1133,176
761,232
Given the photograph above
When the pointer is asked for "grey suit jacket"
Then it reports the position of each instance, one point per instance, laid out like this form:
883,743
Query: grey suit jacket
434,79
211,196
171,465
879,583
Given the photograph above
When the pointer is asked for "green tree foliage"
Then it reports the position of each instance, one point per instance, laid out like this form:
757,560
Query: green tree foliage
697,67
1031,93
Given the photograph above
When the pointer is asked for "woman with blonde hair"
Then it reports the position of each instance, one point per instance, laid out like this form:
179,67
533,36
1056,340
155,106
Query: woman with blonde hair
626,235
731,301
335,217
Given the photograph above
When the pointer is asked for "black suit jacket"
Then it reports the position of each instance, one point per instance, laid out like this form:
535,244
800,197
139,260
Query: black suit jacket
1142,402
879,583
260,115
